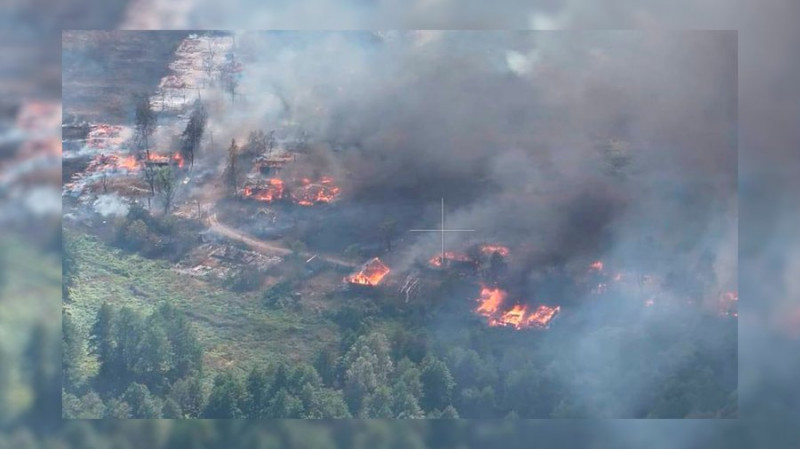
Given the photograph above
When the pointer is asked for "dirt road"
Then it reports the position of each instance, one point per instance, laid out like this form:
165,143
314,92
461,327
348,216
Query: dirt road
264,246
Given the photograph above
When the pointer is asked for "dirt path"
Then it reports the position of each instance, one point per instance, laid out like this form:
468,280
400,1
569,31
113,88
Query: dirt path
265,246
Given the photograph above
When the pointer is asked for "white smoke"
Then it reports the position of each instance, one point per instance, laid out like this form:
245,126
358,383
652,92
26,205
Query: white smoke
110,205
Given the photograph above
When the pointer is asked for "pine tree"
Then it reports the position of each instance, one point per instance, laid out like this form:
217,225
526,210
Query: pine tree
171,409
226,398
232,168
142,403
189,395
153,361
101,341
258,386
40,360
72,352
186,351
378,404
285,406
145,120
69,268
127,332
437,384
193,134
368,364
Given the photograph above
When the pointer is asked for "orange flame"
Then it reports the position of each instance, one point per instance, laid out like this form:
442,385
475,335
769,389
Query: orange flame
491,249
597,265
156,158
451,256
179,159
128,163
490,301
372,273
310,193
518,316
273,190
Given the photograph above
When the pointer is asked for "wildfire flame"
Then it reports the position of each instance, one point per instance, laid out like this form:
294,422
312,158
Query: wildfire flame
488,250
490,301
597,265
128,163
518,317
307,194
372,273
178,159
450,256
156,158
310,193
268,192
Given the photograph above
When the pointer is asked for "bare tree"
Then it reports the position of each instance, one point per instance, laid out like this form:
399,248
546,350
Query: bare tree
256,143
149,173
388,229
232,169
230,83
208,62
229,76
165,182
145,123
193,134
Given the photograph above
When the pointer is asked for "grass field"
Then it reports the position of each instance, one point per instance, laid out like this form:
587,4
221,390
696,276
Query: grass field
236,330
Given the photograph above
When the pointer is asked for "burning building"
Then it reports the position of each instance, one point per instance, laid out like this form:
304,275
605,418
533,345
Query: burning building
307,193
270,164
268,191
371,273
519,316
164,160
489,249
452,260
310,193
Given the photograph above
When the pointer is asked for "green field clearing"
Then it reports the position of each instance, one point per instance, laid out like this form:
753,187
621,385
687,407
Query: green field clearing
236,330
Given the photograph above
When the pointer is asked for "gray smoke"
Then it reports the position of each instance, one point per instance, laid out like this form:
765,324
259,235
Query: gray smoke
110,205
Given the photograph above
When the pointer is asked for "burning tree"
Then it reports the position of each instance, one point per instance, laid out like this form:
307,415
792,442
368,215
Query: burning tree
193,134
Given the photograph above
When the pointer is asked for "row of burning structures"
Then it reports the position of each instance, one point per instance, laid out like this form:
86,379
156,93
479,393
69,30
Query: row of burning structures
499,309
493,304
303,191
117,164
